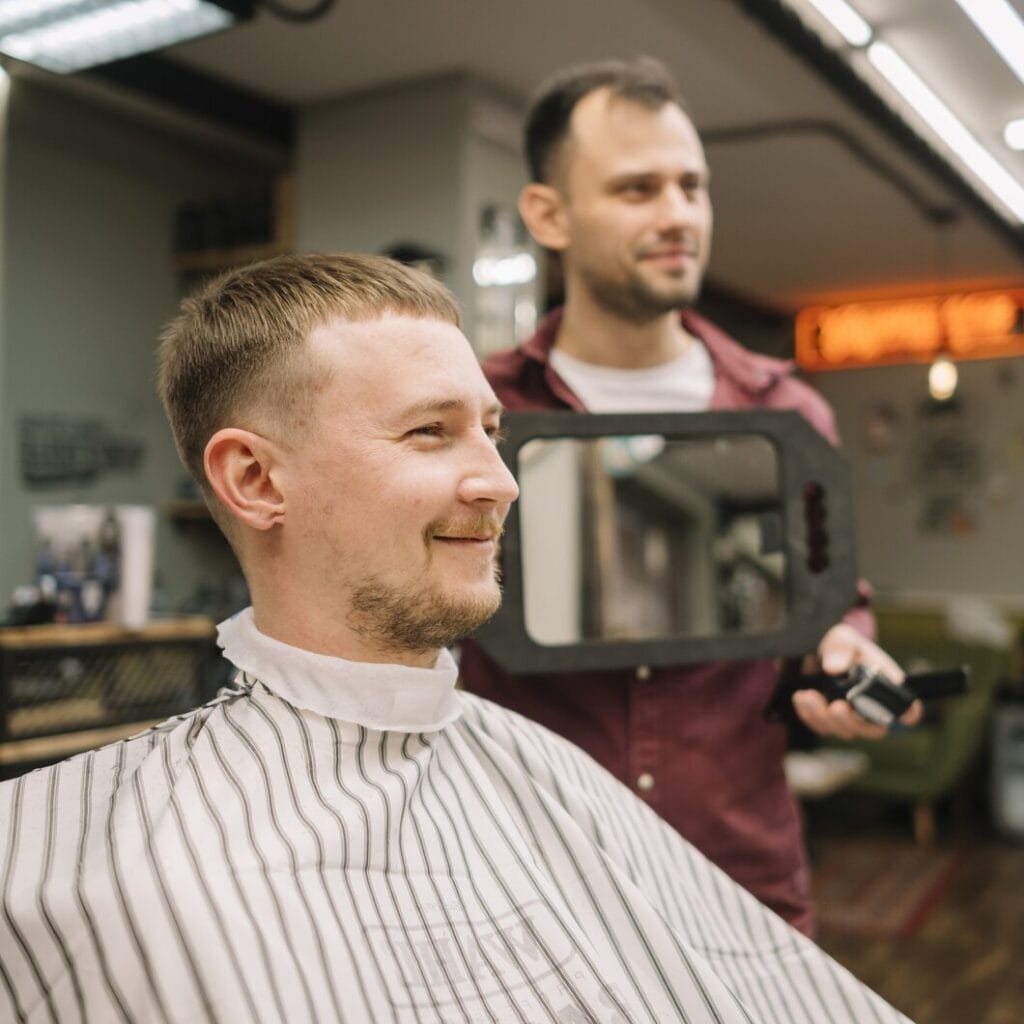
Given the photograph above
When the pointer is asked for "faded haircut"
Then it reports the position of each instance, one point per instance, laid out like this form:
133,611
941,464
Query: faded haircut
644,81
238,346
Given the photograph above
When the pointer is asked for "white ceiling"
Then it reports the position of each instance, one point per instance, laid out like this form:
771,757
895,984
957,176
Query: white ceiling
798,219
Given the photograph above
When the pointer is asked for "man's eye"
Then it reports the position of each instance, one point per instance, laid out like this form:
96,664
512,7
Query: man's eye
497,434
428,430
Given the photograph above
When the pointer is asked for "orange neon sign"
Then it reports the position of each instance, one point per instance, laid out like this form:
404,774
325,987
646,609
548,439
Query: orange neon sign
975,325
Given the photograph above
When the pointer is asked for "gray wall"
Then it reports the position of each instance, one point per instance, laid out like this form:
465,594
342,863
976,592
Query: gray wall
939,494
88,280
417,162
380,168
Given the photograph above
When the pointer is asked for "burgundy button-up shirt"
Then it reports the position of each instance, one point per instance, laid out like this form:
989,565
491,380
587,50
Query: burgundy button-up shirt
690,740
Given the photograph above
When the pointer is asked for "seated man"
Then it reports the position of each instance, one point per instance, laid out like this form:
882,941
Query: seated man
342,836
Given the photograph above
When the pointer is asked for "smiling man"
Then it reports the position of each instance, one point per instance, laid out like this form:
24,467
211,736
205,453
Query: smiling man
342,836
397,419
620,190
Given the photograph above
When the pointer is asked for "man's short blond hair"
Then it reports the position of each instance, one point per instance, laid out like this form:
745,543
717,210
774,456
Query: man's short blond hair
237,352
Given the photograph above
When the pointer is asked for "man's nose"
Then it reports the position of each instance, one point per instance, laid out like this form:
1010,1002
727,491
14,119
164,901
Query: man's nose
487,478
677,207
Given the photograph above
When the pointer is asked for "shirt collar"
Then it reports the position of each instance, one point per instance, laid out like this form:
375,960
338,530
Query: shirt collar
753,372
393,698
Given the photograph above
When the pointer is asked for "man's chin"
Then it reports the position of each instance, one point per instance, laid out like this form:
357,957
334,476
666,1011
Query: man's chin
477,610
649,300
672,295
460,621
396,619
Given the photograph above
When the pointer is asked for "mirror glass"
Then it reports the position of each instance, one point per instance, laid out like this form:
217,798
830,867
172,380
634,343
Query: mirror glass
639,536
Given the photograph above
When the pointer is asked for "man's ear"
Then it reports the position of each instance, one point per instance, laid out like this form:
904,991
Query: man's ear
542,208
242,470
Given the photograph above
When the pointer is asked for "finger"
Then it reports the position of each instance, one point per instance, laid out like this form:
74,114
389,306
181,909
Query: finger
843,647
837,719
812,709
913,714
849,725
836,651
885,664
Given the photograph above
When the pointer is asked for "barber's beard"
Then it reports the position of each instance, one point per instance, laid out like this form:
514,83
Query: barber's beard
635,299
427,618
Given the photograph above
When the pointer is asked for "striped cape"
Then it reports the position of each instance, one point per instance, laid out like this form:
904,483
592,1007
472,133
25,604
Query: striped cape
258,860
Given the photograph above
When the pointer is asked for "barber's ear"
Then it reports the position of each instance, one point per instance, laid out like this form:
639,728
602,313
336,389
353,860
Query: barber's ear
543,211
242,470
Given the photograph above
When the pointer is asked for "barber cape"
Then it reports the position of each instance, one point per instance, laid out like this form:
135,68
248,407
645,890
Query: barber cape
330,841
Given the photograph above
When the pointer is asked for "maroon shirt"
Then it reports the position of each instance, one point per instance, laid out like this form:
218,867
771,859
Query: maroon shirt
711,765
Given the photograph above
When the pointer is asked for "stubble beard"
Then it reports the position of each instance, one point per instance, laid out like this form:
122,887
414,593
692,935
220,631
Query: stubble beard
426,620
635,300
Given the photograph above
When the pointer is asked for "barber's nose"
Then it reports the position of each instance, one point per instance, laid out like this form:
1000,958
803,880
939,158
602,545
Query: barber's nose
677,207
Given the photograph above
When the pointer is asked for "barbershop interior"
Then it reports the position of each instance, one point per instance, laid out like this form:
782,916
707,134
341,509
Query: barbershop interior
867,179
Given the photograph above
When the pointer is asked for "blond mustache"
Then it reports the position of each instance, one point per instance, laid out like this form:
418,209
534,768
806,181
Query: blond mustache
482,527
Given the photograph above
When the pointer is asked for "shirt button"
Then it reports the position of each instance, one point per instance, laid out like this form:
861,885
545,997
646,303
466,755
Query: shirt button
643,673
645,782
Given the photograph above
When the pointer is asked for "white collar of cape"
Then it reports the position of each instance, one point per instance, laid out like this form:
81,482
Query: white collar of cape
393,698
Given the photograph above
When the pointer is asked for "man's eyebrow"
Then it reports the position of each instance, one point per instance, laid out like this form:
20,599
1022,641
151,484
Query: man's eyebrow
643,173
430,406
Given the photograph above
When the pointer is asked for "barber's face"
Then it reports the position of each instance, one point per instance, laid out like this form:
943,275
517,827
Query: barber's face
397,489
637,214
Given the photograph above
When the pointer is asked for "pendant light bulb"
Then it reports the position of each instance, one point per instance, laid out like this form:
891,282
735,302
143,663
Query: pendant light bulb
942,379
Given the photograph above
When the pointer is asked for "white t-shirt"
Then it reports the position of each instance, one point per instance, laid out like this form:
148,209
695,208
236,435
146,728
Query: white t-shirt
682,385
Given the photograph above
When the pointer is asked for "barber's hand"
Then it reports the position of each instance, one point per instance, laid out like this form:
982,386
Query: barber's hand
840,648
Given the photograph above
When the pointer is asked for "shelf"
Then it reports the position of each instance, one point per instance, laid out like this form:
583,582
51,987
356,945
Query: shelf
225,259
89,634
60,745
280,244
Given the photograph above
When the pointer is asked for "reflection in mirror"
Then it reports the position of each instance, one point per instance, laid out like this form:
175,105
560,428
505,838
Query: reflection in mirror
641,537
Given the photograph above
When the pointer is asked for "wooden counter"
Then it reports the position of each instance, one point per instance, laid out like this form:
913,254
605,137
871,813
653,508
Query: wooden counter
67,688
89,634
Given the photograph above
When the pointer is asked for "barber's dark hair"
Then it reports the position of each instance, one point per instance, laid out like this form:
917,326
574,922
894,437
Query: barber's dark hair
644,80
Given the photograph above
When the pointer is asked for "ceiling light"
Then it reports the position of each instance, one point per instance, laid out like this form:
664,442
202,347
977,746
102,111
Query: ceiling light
520,268
1002,26
1013,133
845,20
949,128
69,35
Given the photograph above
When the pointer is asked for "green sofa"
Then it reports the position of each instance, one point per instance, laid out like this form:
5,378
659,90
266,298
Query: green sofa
925,763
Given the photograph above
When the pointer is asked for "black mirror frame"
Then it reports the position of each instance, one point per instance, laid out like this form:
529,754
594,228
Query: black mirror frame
815,599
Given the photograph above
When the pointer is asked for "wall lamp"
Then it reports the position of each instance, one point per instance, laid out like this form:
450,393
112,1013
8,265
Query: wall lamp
69,35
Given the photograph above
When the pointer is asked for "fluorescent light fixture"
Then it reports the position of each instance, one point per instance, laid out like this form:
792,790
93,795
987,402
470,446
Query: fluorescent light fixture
999,182
17,12
69,35
1013,133
845,20
1002,26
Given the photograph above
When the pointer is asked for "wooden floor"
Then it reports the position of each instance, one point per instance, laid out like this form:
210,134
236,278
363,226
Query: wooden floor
965,964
